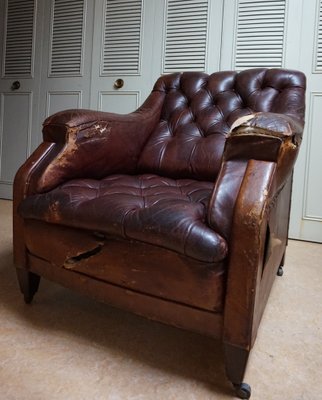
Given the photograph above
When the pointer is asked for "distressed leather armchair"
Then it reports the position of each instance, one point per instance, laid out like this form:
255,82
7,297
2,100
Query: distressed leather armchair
178,211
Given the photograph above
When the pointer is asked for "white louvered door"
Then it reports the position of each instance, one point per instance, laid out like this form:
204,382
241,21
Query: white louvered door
122,54
256,35
260,34
285,33
135,41
20,35
306,216
186,35
67,51
99,54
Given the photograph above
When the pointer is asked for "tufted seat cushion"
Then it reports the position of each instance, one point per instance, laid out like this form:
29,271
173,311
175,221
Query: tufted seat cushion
161,211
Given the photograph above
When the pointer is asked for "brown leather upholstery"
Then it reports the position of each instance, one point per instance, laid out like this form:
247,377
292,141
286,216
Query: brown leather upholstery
161,211
199,110
178,211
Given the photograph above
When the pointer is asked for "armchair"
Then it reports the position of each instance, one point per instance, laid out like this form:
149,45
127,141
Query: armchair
178,211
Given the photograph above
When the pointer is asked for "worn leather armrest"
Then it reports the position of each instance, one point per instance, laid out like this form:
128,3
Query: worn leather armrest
268,124
246,248
260,136
259,156
264,137
88,123
95,144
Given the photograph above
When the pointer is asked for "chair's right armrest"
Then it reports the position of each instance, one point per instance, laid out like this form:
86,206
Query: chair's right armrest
93,144
82,143
24,184
91,124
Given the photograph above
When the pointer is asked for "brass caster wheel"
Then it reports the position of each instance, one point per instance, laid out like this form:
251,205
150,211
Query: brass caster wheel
280,271
242,390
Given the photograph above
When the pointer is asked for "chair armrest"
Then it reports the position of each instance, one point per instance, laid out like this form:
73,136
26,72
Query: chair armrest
24,185
262,136
95,144
246,254
258,159
268,124
268,137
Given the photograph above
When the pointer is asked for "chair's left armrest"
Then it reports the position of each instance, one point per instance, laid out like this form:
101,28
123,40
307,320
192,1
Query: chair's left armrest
264,137
247,244
267,137
268,124
258,159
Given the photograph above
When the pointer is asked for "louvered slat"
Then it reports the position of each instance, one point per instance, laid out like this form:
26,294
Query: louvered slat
318,51
260,33
67,38
186,35
122,37
19,38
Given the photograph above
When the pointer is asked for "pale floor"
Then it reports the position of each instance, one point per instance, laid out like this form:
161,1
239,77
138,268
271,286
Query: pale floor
65,346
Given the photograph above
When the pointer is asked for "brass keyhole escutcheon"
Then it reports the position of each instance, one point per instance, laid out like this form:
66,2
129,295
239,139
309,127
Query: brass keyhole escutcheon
15,85
118,83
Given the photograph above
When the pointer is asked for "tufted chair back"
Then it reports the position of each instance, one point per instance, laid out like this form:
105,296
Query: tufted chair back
199,109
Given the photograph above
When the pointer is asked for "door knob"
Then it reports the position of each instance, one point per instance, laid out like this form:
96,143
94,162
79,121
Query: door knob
118,83
15,85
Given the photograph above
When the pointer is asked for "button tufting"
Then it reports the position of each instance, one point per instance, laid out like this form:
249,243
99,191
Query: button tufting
154,209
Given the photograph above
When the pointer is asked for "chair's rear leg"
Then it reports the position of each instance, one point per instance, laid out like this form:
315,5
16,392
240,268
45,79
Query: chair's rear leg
236,361
280,270
28,282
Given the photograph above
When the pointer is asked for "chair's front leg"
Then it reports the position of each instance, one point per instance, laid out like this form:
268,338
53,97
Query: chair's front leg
235,362
28,282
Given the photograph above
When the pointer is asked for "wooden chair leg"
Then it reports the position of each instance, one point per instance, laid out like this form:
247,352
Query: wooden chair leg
236,361
280,270
283,260
28,282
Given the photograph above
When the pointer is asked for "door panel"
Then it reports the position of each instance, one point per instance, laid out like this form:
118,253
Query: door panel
121,102
66,71
67,26
313,190
122,37
286,33
168,36
122,50
62,100
16,136
186,35
19,38
306,216
256,36
192,34
19,86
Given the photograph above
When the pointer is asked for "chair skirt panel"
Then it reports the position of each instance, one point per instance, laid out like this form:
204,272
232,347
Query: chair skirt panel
130,264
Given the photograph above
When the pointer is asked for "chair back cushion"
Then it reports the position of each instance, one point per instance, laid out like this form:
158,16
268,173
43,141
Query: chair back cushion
199,110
